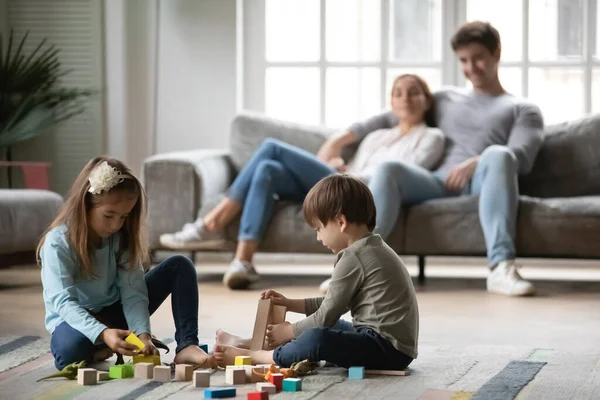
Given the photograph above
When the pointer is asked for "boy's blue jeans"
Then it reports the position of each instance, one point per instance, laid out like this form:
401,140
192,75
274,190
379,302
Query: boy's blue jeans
175,276
276,168
343,346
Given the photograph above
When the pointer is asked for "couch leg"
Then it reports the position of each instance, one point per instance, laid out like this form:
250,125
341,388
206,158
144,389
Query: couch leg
421,270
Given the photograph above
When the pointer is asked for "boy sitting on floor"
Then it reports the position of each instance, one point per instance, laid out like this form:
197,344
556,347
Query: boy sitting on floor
369,279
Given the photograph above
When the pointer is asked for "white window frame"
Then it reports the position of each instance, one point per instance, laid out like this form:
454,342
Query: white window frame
453,14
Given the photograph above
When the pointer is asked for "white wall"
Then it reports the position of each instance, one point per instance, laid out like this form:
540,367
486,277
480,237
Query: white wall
196,76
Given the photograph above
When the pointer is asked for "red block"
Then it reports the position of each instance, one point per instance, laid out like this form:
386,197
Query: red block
258,396
277,380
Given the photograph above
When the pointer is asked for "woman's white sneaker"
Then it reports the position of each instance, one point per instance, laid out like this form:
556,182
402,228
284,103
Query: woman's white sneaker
193,236
240,275
505,279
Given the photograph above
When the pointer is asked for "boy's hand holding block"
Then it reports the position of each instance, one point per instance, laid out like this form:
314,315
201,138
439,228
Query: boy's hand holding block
243,360
134,340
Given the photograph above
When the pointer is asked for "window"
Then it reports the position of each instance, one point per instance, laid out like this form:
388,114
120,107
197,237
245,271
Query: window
333,61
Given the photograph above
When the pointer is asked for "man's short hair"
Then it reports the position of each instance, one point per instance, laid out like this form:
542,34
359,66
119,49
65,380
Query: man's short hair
476,32
338,195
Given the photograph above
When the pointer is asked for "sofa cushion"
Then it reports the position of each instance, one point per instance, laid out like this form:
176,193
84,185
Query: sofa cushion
557,227
568,163
248,130
25,214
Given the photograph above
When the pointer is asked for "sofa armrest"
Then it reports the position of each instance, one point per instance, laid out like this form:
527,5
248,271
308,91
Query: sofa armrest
178,183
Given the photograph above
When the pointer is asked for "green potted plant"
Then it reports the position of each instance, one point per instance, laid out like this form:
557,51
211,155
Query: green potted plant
32,98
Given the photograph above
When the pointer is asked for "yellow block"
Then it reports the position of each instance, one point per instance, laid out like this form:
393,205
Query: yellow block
243,360
140,358
132,339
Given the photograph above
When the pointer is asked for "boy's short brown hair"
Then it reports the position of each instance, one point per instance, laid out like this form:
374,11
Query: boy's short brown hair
476,32
338,195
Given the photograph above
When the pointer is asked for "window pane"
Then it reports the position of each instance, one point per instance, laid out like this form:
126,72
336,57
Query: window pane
596,91
555,30
416,30
351,94
507,17
292,30
433,77
548,87
292,94
353,30
511,79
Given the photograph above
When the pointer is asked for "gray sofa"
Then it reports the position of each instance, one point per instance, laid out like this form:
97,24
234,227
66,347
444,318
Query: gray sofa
559,211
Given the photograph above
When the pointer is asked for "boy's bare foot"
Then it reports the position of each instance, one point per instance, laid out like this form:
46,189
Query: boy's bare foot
102,355
225,355
229,339
194,355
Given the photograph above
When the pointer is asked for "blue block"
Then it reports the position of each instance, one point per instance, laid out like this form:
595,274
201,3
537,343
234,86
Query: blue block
356,372
219,393
204,347
292,385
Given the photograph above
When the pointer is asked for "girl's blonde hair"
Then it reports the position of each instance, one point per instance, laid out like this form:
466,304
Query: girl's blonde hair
74,212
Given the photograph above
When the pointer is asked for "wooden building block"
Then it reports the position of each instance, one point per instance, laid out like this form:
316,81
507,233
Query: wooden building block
252,372
235,375
140,358
162,373
87,376
219,393
292,385
277,380
266,387
401,372
133,339
356,372
183,372
243,360
258,396
260,324
277,314
201,379
143,371
102,376
120,371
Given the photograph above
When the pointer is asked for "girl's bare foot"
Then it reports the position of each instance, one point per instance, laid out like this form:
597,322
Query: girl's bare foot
194,355
225,355
103,354
229,339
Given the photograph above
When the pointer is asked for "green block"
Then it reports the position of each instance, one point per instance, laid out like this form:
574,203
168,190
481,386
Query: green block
292,385
121,371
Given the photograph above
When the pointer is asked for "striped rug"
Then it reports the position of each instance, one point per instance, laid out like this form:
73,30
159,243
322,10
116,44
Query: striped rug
473,372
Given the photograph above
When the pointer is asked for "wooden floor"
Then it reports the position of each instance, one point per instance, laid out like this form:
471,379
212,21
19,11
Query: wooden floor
453,311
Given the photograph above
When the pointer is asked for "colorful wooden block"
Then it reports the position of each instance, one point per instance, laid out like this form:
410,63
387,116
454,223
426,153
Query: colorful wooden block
292,385
132,339
219,393
260,324
356,372
204,347
162,373
266,387
277,380
201,379
102,376
183,372
87,376
140,358
143,371
120,371
252,373
243,360
400,372
235,375
258,396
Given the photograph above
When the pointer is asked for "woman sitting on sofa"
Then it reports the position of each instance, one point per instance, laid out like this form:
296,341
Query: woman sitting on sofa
289,172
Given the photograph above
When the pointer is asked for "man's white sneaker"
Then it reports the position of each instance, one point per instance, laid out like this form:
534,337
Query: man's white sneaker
324,286
240,275
193,237
505,279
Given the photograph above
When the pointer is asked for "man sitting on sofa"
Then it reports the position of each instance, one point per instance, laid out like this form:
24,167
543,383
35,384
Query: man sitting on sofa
492,137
